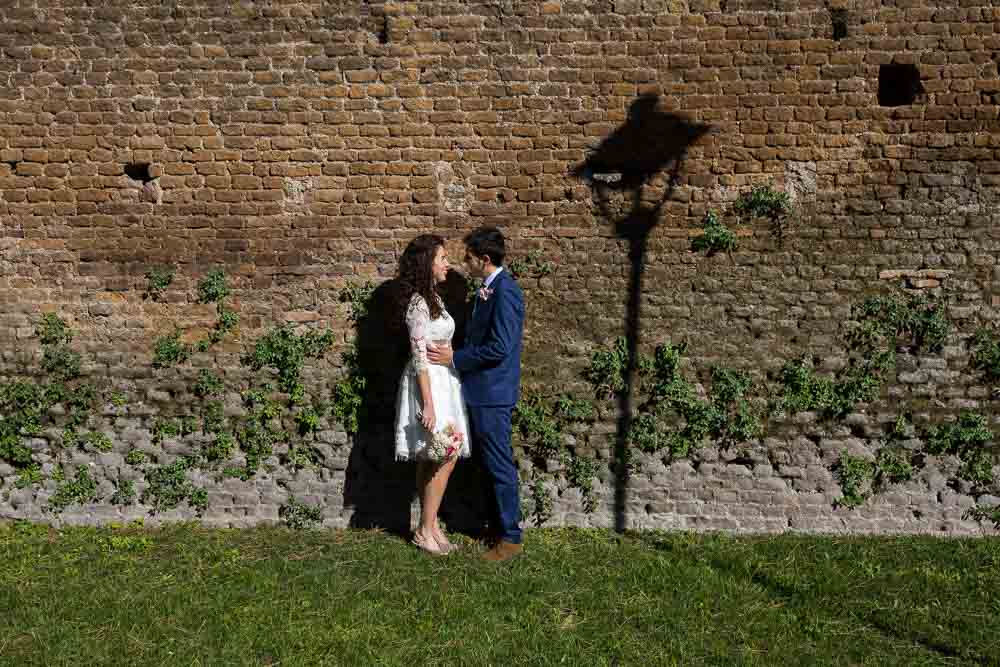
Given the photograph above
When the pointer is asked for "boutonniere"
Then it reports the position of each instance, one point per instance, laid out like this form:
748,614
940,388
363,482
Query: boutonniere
484,293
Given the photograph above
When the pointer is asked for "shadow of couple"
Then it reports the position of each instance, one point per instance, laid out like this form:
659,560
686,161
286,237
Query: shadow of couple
378,489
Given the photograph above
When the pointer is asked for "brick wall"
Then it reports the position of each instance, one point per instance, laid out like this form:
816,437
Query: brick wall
300,145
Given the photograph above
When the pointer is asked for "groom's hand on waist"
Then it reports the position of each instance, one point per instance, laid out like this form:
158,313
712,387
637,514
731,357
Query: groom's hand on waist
439,354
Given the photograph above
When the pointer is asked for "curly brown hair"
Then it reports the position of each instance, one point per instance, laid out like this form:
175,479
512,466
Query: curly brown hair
416,277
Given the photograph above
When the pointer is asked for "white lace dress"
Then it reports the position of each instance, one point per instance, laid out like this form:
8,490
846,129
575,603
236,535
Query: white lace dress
446,388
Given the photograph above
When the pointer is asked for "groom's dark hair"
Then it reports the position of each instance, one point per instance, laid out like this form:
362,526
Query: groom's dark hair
486,242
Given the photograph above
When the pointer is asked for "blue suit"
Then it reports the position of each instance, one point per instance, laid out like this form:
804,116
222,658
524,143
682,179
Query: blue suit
490,365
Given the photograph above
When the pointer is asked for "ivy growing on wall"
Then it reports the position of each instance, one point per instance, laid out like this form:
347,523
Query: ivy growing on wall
298,515
531,265
679,409
168,350
672,416
544,426
715,238
158,279
986,357
59,396
884,325
763,201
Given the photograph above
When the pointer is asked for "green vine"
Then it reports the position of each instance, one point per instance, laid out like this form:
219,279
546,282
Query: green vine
169,351
280,354
98,441
359,296
979,513
208,384
715,238
884,324
307,419
81,489
543,426
609,368
542,504
284,353
168,486
349,393
900,320
220,448
672,416
893,466
532,265
968,438
29,475
299,516
213,288
986,357
158,279
259,431
803,390
124,492
855,475
301,456
580,474
26,406
763,201
136,457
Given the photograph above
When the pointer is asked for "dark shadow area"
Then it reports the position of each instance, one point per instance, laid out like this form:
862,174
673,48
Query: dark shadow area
838,19
138,172
794,597
791,596
650,142
379,488
898,85
464,506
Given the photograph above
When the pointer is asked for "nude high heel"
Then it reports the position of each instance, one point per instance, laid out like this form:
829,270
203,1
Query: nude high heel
430,545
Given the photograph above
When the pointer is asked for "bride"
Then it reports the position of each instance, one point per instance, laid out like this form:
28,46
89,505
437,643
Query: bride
430,396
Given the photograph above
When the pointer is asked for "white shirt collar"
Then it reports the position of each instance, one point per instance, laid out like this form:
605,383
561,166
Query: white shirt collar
492,276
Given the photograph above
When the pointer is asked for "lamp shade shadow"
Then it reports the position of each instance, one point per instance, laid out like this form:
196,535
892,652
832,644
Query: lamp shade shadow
648,143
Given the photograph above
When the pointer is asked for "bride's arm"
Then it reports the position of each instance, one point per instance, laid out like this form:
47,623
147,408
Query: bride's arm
418,318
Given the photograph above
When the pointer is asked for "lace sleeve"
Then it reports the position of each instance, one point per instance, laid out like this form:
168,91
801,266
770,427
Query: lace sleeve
418,317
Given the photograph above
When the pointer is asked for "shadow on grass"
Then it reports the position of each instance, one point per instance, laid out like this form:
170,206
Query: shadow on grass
806,594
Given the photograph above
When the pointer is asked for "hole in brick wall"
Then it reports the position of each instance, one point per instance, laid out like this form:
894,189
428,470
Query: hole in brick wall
383,32
898,85
138,171
12,164
839,19
742,460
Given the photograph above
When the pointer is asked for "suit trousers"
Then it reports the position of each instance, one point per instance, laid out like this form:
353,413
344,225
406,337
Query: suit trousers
490,440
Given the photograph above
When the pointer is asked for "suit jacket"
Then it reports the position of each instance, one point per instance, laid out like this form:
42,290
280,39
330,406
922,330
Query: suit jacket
490,360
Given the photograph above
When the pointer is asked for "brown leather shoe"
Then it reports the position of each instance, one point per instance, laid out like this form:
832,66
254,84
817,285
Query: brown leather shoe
503,551
489,540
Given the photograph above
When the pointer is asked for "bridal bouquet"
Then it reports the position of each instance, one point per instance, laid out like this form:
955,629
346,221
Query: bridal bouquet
445,444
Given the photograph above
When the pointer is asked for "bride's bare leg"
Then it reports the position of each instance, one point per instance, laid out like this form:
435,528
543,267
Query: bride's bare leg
433,480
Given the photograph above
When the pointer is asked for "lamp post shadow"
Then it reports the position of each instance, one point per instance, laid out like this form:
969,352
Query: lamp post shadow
649,142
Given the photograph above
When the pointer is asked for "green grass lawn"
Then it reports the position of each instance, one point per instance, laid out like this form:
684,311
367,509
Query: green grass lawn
190,596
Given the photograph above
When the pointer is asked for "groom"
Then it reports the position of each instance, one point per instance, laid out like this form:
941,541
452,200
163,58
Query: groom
490,366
